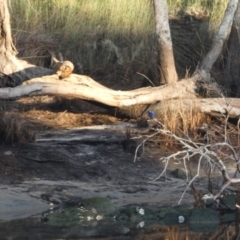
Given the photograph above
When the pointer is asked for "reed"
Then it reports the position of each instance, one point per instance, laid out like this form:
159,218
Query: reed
111,39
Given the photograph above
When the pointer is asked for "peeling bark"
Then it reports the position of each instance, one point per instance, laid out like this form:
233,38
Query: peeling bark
11,70
84,87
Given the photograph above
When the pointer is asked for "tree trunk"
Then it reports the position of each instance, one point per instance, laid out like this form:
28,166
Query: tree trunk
167,65
232,73
203,71
134,103
13,71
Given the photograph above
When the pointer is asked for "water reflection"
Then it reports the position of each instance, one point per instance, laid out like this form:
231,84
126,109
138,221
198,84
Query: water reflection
33,228
98,218
64,224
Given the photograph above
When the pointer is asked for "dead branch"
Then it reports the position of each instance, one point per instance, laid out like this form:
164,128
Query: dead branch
86,88
207,153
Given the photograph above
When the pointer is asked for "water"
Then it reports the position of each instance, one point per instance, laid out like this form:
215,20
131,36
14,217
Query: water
36,228
98,218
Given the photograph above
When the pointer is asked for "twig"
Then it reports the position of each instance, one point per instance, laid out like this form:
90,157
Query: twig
146,78
142,144
189,184
209,153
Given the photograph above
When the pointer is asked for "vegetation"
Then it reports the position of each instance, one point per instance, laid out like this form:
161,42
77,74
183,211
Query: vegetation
114,39
213,153
110,41
186,119
13,130
77,17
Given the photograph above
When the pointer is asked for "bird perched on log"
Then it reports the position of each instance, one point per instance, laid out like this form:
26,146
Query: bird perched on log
63,68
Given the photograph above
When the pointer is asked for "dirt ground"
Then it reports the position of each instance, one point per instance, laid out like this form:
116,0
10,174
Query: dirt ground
79,152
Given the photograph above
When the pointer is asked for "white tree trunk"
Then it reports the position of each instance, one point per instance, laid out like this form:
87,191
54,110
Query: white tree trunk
84,87
203,71
168,71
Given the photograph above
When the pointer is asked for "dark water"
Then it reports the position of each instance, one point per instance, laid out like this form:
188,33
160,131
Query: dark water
33,228
128,223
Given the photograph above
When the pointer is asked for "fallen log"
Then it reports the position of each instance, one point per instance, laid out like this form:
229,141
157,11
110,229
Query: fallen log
83,87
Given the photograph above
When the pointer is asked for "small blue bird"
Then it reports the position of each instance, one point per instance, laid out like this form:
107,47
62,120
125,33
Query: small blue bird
151,114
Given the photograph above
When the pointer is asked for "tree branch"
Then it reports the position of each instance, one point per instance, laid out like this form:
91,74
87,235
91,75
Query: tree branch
206,65
85,88
207,153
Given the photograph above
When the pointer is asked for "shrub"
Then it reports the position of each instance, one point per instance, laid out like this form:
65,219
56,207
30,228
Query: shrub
12,129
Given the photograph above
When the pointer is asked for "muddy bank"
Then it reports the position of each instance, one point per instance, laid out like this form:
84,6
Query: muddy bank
64,166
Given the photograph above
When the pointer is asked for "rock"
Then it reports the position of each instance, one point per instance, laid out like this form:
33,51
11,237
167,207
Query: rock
101,204
228,217
174,216
89,211
8,153
179,173
137,217
130,145
229,201
204,220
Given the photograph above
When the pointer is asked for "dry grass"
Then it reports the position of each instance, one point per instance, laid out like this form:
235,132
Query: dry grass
98,33
181,121
185,116
82,30
36,48
12,129
44,119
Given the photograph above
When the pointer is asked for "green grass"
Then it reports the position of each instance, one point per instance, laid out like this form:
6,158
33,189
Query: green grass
128,17
211,10
77,28
73,18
